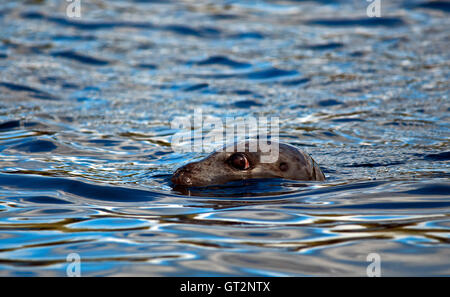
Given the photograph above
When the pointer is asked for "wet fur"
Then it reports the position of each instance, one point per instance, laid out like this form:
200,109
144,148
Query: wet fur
291,164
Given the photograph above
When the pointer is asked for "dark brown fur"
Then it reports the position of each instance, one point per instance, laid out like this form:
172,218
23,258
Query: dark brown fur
291,164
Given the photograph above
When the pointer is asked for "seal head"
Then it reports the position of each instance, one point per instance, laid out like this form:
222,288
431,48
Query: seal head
231,164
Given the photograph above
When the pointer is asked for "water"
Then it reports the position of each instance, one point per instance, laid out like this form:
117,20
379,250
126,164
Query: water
85,156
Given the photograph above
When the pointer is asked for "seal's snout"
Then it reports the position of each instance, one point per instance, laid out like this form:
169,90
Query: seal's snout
183,175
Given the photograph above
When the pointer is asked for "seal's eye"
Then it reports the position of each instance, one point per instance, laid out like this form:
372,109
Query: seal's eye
239,161
284,166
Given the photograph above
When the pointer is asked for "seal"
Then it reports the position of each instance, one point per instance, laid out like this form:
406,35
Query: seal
231,164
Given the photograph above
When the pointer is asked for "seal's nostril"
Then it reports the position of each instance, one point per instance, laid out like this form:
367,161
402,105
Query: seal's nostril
177,176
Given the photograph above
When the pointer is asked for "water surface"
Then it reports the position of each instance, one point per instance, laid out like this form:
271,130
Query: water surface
85,157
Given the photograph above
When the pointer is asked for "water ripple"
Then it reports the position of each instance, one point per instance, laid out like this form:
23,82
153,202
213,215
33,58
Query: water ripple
85,129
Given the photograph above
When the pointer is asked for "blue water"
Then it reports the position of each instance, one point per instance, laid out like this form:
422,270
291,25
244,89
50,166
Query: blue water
85,156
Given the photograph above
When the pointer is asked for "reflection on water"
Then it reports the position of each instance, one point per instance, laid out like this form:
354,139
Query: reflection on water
85,156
